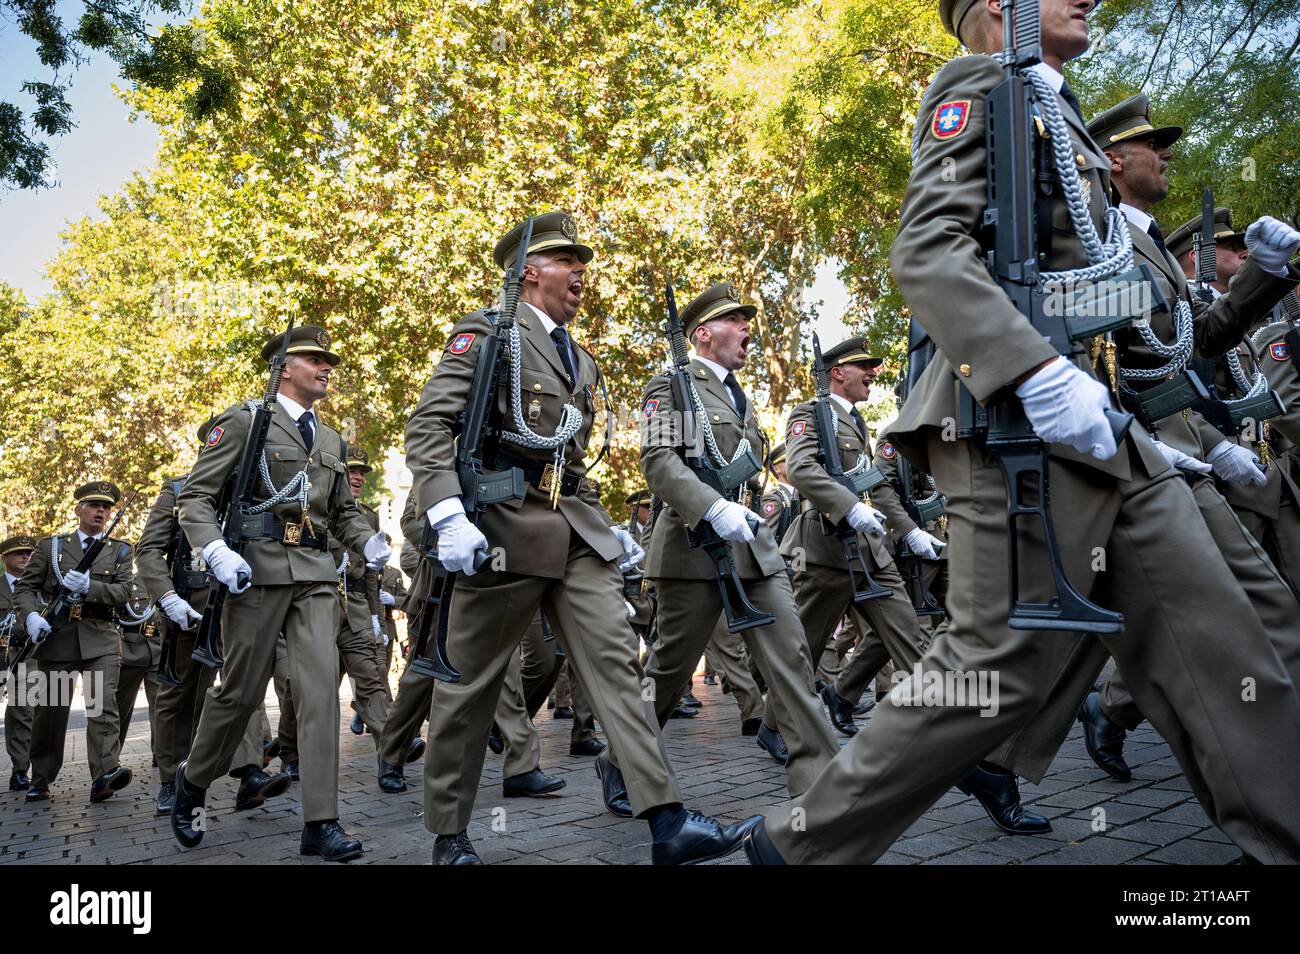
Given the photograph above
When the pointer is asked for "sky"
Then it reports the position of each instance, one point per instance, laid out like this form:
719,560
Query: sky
92,160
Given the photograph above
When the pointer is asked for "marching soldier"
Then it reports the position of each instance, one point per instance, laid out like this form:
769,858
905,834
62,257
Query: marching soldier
141,652
1277,355
15,553
717,324
1125,499
285,582
560,555
87,641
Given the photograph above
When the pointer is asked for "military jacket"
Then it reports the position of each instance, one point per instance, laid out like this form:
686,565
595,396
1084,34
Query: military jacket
110,584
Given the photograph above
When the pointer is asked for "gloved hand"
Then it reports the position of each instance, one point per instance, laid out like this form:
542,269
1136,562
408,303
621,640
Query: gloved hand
376,550
386,638
1271,244
1066,406
375,628
387,598
1176,458
730,520
631,610
866,520
1235,464
923,544
632,552
226,565
459,542
36,626
178,611
77,582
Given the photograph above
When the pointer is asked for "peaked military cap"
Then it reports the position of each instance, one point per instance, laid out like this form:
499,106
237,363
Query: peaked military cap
17,544
1131,119
714,302
304,339
552,231
776,455
1181,239
359,458
205,429
639,497
97,491
951,13
850,351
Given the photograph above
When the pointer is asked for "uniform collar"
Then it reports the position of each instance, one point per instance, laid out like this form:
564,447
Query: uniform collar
291,407
844,403
11,579
1139,218
1049,73
82,538
788,488
718,370
547,325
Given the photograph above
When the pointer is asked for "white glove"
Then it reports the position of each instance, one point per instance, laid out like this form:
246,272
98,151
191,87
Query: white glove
632,552
1176,458
36,626
226,565
923,544
387,598
386,637
1066,406
1271,244
631,610
459,542
1235,464
77,582
866,520
375,627
730,520
376,550
178,611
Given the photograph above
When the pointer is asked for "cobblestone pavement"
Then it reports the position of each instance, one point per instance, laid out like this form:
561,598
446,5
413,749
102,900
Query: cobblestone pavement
1152,820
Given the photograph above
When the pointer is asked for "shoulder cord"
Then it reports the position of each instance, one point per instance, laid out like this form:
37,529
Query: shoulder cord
1251,388
129,617
296,488
706,429
347,560
523,436
55,546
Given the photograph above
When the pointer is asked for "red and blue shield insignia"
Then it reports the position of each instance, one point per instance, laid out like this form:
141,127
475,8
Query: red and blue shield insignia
887,450
1280,351
460,344
950,118
797,428
214,436
649,408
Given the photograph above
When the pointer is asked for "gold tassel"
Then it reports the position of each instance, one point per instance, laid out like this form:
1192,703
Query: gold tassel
1112,367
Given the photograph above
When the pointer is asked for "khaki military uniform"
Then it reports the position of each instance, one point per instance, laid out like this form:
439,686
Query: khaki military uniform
294,591
687,587
18,718
1274,358
141,651
393,583
359,593
1184,674
90,645
558,559
823,588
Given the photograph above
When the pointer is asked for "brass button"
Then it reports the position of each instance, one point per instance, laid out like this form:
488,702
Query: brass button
965,370
848,446
537,385
716,419
1078,157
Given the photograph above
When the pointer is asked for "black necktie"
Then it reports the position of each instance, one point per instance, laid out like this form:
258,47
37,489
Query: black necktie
307,428
85,544
1067,94
561,339
1157,236
858,422
737,395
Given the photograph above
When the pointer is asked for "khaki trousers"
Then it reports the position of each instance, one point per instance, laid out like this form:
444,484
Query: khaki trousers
50,719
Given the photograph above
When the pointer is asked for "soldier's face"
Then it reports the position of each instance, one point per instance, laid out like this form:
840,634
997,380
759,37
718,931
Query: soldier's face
779,469
1140,169
356,479
306,375
727,340
1065,26
93,516
857,380
1229,257
555,281
16,563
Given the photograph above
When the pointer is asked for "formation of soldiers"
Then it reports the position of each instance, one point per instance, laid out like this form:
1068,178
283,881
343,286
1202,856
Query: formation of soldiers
806,573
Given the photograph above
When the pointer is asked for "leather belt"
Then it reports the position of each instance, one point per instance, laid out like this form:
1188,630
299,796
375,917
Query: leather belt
540,474
80,611
265,526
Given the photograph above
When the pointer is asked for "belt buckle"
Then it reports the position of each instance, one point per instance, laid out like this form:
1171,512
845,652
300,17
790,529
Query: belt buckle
74,612
293,534
547,483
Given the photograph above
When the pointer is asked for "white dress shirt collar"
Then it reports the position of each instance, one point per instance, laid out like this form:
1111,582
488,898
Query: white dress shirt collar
844,403
1139,218
292,407
11,579
547,325
1049,73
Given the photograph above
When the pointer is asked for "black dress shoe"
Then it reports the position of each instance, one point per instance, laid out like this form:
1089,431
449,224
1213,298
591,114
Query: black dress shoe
38,793
415,751
683,712
750,726
865,706
358,727
841,711
690,701
166,798
770,741
562,712
710,680
587,747
701,838
187,807
329,840
998,792
270,750
531,785
391,779
257,787
19,782
290,769
612,787
108,784
726,686
454,850
759,848
495,742
1103,739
